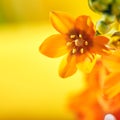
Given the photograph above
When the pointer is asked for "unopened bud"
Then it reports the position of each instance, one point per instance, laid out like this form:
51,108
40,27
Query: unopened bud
100,5
102,27
108,18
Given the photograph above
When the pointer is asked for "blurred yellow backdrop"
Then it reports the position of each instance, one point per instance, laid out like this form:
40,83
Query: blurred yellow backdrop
30,87
37,10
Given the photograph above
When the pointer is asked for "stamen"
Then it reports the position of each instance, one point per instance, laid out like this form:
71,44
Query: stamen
81,50
72,36
74,50
77,42
90,56
86,43
80,35
68,44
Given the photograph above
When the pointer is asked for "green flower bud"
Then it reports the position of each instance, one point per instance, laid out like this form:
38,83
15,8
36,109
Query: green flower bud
115,40
107,2
117,1
103,6
108,19
116,9
118,18
102,27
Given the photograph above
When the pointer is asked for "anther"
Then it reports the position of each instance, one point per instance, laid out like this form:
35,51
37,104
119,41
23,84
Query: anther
77,42
81,50
74,50
72,36
86,43
80,35
68,44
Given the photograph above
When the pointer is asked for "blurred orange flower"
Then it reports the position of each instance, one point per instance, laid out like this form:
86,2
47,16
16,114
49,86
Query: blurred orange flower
112,60
77,38
97,104
111,86
87,106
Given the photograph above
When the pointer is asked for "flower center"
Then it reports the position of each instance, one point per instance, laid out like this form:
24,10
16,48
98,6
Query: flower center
77,44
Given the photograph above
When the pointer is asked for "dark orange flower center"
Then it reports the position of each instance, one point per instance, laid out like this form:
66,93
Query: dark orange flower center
79,44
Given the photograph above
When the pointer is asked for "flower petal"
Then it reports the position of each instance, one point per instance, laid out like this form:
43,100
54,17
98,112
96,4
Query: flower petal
110,103
99,43
86,65
86,110
80,58
112,85
62,22
98,74
84,23
68,66
54,46
112,61
101,40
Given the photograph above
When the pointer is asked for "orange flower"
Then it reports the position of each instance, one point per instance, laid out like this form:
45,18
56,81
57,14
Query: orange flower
77,38
111,92
112,60
97,104
111,86
86,106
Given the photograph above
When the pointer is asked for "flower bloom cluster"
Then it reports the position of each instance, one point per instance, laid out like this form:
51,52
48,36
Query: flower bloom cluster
95,50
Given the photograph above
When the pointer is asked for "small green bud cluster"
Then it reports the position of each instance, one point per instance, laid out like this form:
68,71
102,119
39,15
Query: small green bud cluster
108,7
104,25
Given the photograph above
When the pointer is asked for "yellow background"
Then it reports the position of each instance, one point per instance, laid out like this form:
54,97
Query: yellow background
30,87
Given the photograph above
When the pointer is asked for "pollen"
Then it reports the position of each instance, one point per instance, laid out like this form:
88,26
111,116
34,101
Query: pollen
86,43
77,42
72,36
74,50
81,50
80,35
68,44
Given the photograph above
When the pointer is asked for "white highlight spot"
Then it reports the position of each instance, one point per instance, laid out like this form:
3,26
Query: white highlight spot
72,36
80,35
74,50
86,43
81,50
69,44
77,42
109,117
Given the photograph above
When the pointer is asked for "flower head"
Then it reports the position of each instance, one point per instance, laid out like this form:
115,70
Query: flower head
77,38
98,104
92,108
111,86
